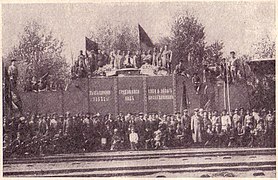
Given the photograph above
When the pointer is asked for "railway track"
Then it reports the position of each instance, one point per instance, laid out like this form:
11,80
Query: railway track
143,163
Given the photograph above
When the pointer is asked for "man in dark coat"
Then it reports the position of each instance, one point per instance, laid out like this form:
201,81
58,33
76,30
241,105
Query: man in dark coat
185,124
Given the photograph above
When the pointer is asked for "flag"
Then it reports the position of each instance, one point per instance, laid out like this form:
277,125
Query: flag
12,99
144,40
91,45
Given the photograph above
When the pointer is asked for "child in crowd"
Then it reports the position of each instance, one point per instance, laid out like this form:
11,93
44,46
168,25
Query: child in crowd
133,139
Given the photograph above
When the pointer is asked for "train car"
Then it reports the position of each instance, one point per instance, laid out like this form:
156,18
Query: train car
134,93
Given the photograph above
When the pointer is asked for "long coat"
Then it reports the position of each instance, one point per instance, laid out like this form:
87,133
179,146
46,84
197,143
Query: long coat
196,126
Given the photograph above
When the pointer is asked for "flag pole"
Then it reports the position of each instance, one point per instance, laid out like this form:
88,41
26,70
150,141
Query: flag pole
228,90
225,92
245,77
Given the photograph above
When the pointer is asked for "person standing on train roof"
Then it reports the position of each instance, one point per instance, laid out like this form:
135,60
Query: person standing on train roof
148,58
81,58
13,74
154,57
167,58
232,64
112,56
159,57
196,80
136,60
117,62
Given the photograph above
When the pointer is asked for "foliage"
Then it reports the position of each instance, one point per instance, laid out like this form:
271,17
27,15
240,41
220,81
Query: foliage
118,37
188,41
265,48
39,53
213,53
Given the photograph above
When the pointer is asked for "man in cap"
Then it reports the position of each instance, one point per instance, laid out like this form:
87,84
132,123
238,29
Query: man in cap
116,140
112,56
235,118
185,124
270,127
240,133
66,124
226,122
248,118
136,60
256,116
214,119
22,129
196,127
42,126
81,58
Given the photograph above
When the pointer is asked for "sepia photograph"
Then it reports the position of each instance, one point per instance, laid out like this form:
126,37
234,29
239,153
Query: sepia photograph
146,89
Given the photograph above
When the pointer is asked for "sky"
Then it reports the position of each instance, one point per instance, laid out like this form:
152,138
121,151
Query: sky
237,24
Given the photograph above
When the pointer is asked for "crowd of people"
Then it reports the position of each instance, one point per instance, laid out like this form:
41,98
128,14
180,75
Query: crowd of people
88,65
36,134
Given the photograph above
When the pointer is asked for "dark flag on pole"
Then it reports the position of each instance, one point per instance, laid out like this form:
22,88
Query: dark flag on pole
11,97
144,40
91,45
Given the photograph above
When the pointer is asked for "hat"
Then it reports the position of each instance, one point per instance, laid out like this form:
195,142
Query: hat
232,52
236,109
201,110
97,114
13,60
196,109
22,118
185,110
140,113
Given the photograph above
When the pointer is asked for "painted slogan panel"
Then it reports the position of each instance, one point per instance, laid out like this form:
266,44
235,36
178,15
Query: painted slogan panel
160,94
101,95
130,94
